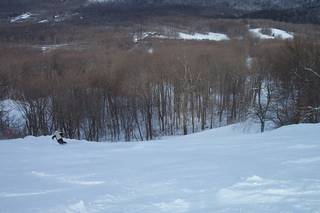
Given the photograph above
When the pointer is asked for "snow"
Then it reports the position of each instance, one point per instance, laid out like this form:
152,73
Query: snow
249,62
305,160
229,169
151,50
183,36
209,36
275,34
145,35
50,47
43,21
21,17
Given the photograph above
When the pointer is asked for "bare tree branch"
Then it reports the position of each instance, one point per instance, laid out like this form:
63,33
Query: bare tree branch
311,70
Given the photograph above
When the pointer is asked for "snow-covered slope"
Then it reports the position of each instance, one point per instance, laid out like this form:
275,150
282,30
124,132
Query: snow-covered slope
222,170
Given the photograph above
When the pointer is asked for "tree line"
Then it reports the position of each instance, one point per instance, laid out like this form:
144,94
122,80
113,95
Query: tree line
155,88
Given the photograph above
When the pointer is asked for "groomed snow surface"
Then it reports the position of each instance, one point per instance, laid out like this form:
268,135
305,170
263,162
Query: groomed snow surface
221,170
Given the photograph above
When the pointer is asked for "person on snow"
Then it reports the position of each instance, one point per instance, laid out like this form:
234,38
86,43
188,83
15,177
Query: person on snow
58,136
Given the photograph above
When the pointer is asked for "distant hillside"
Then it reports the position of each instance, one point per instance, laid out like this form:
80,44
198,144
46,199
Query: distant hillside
305,11
235,4
308,13
302,11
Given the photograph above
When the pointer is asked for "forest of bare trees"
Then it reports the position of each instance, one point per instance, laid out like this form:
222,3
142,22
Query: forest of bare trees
113,89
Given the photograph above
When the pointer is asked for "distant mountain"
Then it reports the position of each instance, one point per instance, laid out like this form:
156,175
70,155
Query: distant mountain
307,13
99,10
235,4
14,6
303,11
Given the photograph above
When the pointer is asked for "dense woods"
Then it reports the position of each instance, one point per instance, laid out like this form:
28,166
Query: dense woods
108,87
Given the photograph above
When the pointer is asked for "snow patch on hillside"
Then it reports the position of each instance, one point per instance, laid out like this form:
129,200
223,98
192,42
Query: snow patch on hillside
183,36
274,34
209,36
51,47
21,17
43,21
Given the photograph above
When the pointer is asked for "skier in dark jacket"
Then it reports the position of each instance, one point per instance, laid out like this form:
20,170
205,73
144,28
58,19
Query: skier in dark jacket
58,136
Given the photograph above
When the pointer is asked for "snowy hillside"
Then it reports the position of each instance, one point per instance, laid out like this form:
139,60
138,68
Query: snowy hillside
222,170
243,4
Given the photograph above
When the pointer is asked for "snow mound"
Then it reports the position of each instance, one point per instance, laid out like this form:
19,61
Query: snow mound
274,34
21,17
245,128
254,178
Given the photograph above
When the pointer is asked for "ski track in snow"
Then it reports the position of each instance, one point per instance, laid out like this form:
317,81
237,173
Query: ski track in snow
304,160
256,190
66,179
303,146
23,194
221,170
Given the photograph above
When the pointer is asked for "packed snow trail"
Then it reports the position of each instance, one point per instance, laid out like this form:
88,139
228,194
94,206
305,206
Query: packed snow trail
221,170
